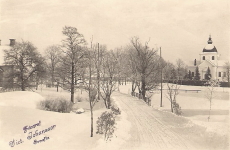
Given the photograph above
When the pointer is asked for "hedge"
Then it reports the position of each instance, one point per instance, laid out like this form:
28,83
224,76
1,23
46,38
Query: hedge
197,82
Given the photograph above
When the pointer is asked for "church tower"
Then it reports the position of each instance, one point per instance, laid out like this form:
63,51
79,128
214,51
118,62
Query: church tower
209,58
210,53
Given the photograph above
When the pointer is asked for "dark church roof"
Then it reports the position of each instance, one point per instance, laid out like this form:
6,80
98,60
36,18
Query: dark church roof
210,47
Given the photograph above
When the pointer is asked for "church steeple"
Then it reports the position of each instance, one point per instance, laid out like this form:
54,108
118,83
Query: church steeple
210,47
210,39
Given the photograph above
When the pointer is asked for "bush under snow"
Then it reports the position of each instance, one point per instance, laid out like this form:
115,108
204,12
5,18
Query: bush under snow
57,105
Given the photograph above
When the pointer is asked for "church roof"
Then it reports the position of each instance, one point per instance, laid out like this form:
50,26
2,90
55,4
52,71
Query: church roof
210,47
191,63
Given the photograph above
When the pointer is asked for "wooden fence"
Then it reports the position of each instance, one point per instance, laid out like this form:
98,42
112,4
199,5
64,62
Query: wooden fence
139,95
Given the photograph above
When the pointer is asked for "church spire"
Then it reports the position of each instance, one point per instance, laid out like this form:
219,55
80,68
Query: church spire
210,39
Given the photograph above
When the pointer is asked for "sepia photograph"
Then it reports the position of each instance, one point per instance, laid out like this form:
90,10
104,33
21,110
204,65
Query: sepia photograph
114,74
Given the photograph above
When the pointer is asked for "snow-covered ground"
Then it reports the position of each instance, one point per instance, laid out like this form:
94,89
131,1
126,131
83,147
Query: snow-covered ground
18,109
20,99
195,106
156,129
135,126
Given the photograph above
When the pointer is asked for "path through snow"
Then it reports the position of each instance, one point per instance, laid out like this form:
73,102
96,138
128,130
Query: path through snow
154,129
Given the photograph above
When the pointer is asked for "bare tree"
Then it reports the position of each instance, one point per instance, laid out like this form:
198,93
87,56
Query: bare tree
169,72
149,95
210,93
146,64
120,74
131,69
97,54
72,46
172,92
41,76
125,72
53,54
181,68
108,77
63,73
27,61
91,88
227,69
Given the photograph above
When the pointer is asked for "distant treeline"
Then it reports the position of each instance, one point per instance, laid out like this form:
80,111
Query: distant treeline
195,82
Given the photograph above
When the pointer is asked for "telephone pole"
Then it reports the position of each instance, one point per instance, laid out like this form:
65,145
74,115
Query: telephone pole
161,76
98,73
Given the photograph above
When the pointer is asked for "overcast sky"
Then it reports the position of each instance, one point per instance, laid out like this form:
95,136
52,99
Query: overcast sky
180,27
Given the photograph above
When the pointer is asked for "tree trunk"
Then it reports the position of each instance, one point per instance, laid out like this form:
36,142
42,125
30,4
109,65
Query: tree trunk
109,102
98,72
52,80
37,85
22,80
210,110
118,86
23,86
105,102
57,86
98,84
228,81
133,86
143,90
72,83
91,111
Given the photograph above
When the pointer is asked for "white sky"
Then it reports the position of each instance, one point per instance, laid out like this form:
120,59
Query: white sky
180,27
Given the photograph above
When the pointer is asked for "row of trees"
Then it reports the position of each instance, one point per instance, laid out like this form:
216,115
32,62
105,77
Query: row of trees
68,65
77,65
177,71
65,64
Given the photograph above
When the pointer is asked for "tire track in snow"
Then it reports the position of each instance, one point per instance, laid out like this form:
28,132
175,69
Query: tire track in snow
149,132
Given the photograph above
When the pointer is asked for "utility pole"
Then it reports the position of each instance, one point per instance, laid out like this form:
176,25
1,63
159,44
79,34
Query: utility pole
90,82
161,76
98,73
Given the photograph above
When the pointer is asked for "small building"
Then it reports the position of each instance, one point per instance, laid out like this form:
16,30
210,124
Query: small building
6,79
209,58
5,70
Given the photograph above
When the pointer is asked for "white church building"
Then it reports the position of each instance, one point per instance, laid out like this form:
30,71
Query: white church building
210,57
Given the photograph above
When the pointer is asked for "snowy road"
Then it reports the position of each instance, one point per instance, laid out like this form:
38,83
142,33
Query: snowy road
153,129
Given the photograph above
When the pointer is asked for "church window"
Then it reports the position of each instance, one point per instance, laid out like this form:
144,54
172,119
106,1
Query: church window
213,58
224,75
219,74
203,57
192,74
